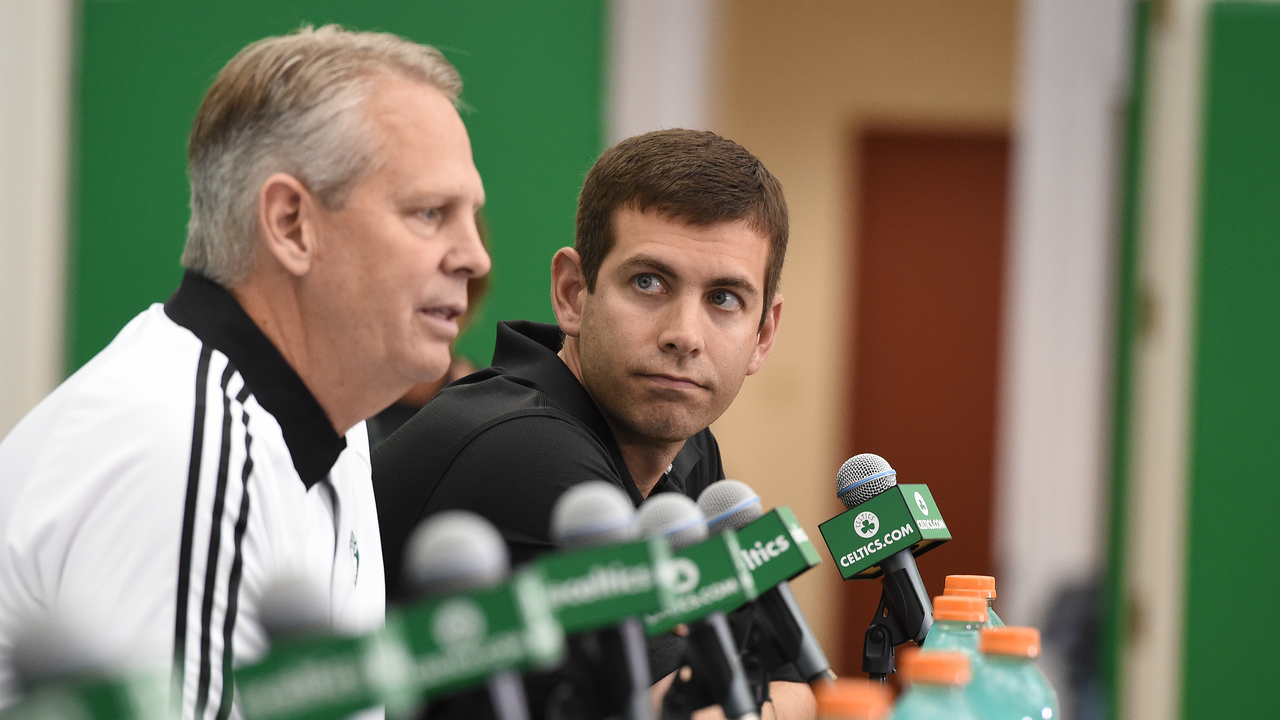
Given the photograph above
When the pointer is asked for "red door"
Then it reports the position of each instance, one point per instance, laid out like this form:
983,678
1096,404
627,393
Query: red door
927,298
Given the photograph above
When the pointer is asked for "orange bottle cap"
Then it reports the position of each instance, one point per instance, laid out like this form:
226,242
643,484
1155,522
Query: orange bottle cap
936,667
966,592
1010,640
985,585
960,608
852,699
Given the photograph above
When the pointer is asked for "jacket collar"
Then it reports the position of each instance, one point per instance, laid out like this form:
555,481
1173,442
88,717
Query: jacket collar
213,315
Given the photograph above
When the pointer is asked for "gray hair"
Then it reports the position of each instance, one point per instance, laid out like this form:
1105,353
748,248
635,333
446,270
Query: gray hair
290,104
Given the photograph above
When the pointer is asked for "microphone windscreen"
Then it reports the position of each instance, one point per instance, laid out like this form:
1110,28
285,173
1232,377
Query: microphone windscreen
863,477
593,513
729,504
293,606
673,516
452,551
59,646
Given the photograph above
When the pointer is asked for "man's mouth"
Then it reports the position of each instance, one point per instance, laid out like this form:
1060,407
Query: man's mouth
445,312
674,382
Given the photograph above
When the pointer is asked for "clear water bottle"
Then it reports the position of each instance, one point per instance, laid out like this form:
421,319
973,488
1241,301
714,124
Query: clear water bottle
1010,686
956,623
980,586
852,699
936,683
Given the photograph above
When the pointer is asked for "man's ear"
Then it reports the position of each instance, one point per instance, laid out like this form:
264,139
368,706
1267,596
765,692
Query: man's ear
286,222
768,333
568,290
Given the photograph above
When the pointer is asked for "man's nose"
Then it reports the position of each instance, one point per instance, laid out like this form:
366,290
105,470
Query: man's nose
682,332
468,255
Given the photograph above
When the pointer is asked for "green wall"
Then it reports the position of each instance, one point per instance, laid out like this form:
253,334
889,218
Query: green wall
1233,580
532,74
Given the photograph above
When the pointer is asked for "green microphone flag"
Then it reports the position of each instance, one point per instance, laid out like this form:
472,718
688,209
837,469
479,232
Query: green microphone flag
596,587
861,538
435,647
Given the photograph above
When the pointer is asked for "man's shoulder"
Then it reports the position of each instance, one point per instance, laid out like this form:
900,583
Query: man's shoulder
130,393
493,444
480,407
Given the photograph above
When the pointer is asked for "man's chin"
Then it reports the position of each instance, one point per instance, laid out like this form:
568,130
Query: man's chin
433,365
667,429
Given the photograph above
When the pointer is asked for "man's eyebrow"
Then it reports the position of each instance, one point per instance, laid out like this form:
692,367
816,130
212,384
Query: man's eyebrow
736,283
648,262
425,198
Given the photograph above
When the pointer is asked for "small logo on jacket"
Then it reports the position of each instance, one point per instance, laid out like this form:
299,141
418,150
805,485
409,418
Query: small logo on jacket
355,557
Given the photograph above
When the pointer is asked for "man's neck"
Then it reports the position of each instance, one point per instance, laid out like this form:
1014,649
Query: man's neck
274,306
646,462
645,459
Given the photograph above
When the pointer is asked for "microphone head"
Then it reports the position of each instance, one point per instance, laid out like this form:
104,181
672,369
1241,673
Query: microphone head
729,504
60,646
863,477
294,607
673,516
452,551
593,513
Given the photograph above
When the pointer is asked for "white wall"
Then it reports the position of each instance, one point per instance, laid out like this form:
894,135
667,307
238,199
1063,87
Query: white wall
1053,449
35,57
660,54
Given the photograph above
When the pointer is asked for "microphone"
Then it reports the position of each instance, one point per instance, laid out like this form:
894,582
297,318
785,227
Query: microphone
606,573
886,526
707,576
314,674
473,624
599,586
66,669
591,514
775,548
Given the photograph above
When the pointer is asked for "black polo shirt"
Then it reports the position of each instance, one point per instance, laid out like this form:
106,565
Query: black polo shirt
505,442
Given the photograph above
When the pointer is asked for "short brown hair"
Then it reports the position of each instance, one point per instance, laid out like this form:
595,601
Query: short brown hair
291,104
694,176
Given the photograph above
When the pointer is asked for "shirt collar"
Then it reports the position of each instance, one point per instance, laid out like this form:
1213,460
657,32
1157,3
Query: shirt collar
529,350
213,315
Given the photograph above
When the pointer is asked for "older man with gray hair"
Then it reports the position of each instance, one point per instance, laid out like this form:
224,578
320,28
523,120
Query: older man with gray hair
218,443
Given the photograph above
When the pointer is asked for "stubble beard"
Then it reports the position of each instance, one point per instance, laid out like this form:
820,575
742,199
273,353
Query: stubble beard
633,418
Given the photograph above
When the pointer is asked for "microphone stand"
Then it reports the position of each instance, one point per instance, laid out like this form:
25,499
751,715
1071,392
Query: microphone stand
905,613
716,678
773,637
606,675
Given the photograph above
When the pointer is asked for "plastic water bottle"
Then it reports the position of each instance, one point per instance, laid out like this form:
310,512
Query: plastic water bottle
936,683
956,622
981,586
852,699
1010,686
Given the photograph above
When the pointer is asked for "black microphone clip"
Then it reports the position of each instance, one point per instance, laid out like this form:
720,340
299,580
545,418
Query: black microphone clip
905,613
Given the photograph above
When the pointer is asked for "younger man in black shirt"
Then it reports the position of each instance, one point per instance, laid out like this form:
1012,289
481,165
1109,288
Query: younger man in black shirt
666,302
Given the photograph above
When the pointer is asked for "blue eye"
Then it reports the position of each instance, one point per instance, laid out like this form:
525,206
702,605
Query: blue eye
725,300
648,282
431,214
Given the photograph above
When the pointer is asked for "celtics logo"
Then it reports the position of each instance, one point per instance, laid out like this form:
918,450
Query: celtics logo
866,524
458,623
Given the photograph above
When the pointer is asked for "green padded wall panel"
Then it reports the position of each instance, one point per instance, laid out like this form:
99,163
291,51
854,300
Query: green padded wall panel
532,73
1233,584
